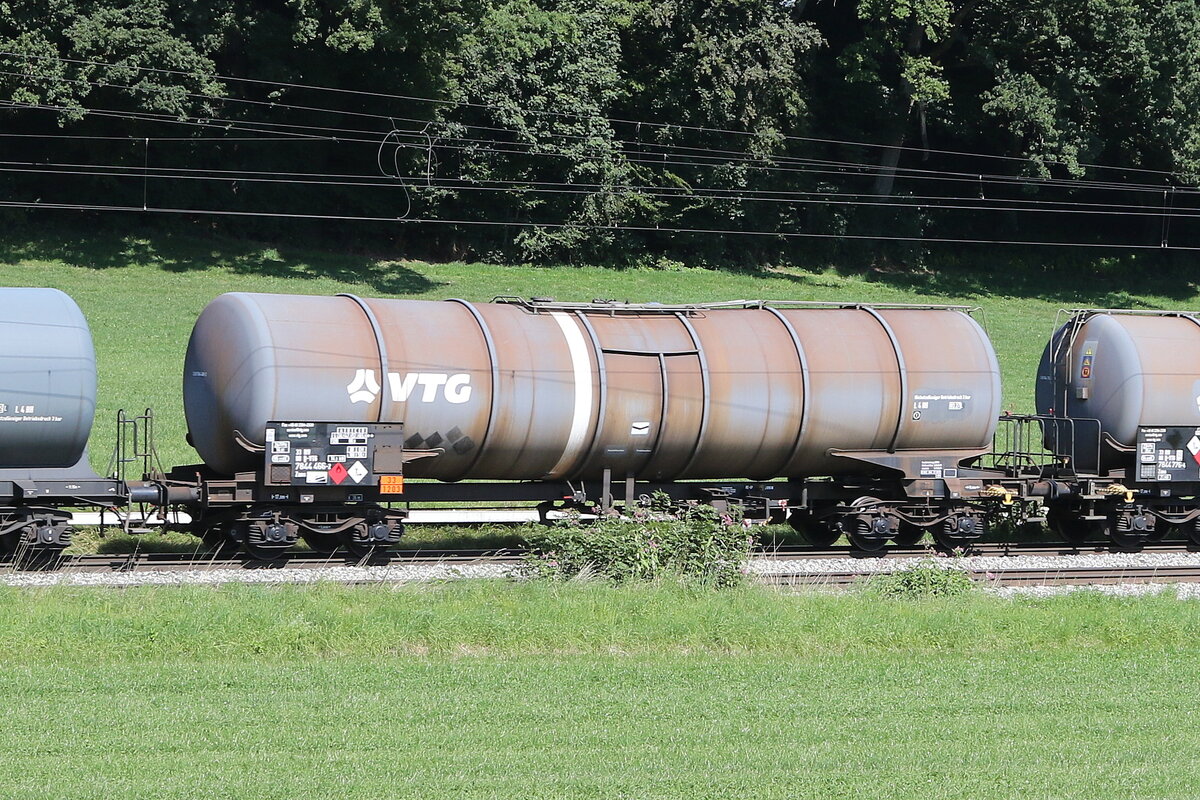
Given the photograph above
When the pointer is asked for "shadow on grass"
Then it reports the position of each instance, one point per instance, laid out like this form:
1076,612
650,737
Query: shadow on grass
1087,280
175,252
462,537
417,537
1074,280
124,544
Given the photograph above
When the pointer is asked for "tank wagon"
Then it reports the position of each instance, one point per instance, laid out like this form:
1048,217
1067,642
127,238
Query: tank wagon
311,413
47,404
322,418
1120,399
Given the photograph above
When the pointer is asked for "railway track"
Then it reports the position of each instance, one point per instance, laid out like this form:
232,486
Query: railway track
176,562
986,549
999,566
187,562
1000,576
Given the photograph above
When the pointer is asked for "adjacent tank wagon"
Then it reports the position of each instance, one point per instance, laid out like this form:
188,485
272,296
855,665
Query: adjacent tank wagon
1120,395
47,405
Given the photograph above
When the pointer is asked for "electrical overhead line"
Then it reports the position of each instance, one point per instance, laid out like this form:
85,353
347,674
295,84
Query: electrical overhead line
469,183
648,154
571,115
351,135
582,226
926,204
424,136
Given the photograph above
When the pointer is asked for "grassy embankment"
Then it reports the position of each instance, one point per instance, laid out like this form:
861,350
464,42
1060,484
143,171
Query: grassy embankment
491,691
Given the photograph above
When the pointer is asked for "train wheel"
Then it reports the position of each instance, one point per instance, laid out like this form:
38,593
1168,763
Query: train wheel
866,542
370,539
1126,541
265,539
1071,528
909,534
959,531
817,532
1130,530
218,539
1165,532
365,552
262,553
870,531
1193,532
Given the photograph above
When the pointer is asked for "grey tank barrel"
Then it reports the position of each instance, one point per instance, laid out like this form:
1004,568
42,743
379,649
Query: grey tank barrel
47,379
536,390
1107,372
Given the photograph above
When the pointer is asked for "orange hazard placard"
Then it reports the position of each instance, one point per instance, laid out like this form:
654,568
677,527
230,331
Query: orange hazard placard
391,484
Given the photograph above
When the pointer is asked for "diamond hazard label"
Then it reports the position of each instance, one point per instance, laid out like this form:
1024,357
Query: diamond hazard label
357,471
337,473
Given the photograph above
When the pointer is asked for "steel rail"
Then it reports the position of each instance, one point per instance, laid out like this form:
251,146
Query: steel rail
784,557
996,576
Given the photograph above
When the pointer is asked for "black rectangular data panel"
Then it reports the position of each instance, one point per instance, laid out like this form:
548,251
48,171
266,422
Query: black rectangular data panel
331,453
1168,454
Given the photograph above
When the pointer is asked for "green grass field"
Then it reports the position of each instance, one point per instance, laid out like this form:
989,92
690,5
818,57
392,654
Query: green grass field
141,297
499,691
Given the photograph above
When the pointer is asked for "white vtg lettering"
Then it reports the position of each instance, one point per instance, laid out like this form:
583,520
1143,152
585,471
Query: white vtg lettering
422,386
455,388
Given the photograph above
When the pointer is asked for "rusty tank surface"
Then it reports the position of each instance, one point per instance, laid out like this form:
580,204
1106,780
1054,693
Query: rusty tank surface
1109,372
525,390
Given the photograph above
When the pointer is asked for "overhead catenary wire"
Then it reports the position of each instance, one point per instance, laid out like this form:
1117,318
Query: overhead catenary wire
572,115
346,135
84,137
470,183
585,226
722,156
920,204
697,157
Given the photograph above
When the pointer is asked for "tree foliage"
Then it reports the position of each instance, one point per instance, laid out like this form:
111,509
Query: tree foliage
607,130
1099,81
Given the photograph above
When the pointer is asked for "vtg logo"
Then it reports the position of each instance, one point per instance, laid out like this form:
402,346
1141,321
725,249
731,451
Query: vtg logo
454,388
364,388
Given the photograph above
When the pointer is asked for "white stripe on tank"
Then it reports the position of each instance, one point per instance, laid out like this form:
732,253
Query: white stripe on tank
581,366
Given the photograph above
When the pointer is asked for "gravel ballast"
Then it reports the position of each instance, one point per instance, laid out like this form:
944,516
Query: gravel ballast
805,570
412,573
